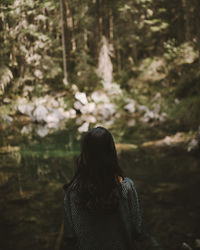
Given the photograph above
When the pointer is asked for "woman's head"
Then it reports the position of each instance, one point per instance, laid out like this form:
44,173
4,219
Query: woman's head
98,154
98,169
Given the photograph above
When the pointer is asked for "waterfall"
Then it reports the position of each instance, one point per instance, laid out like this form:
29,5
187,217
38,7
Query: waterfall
105,67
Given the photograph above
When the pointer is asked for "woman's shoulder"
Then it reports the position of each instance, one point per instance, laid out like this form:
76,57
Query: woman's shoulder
70,193
128,184
70,187
127,181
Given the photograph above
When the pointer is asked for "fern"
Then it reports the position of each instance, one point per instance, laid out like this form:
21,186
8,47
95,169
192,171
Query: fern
6,77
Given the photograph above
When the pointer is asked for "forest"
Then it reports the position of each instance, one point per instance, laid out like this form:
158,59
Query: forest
52,49
131,66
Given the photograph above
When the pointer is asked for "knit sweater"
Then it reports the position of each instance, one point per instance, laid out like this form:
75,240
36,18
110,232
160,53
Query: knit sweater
116,231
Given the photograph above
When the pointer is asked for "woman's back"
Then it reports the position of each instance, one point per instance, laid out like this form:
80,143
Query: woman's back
114,230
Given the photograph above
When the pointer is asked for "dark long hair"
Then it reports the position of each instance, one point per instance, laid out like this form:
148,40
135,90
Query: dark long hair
98,171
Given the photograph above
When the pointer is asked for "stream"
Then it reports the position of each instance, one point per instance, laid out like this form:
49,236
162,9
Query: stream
32,176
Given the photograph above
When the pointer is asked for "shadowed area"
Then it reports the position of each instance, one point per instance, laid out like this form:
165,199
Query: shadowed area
31,204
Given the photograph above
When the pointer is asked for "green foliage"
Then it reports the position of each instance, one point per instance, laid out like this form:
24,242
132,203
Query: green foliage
182,95
179,54
189,83
86,77
171,49
122,78
5,77
28,46
187,112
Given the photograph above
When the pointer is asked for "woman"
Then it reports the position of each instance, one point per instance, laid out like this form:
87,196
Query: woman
102,210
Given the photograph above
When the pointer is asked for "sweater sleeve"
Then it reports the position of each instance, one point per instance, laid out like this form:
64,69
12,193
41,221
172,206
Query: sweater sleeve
69,234
135,212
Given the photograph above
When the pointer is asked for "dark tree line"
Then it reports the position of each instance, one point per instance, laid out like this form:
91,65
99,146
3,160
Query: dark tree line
31,37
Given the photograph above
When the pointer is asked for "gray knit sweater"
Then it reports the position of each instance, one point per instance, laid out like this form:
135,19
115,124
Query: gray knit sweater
116,231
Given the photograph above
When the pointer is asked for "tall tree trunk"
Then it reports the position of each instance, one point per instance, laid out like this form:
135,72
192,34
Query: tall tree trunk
100,20
197,21
134,53
186,16
70,25
73,34
85,39
111,34
64,39
118,59
47,21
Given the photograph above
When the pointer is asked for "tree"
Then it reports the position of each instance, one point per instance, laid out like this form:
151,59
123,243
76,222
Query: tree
64,39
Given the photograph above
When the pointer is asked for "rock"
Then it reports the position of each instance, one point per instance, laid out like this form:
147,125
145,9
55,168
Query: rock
84,127
125,147
85,118
99,96
197,243
6,118
69,114
88,118
79,120
60,110
42,131
53,125
9,149
131,123
106,110
38,73
27,129
52,103
130,107
7,100
149,115
81,97
40,101
88,108
147,118
173,141
114,91
40,114
186,246
78,105
74,88
26,109
143,108
193,145
54,116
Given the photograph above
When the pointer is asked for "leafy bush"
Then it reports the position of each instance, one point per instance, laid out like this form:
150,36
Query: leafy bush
187,112
189,83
